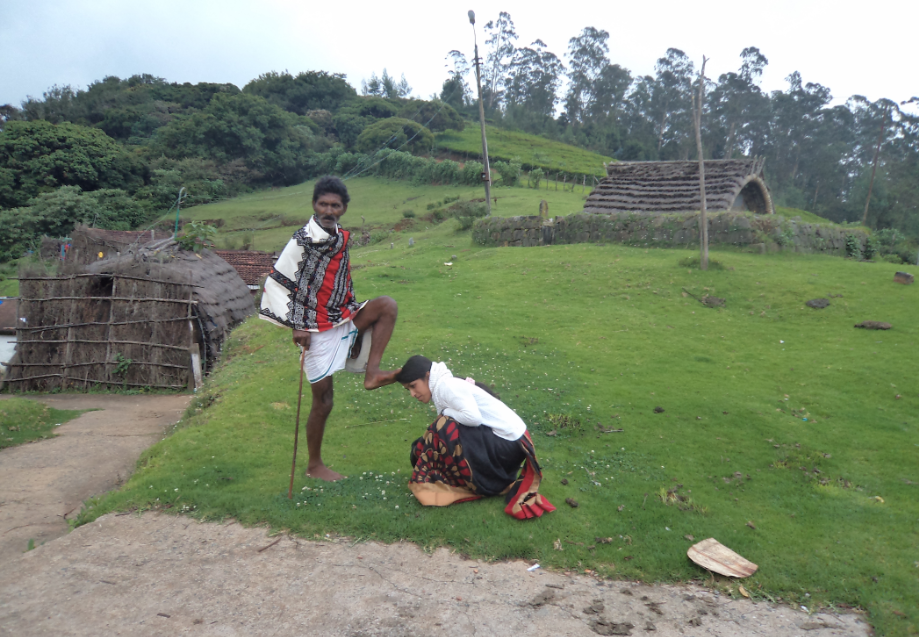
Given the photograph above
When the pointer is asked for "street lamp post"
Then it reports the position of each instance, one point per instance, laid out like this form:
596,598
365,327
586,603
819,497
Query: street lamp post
486,175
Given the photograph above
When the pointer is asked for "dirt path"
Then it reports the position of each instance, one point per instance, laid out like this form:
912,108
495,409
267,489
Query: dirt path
164,575
43,483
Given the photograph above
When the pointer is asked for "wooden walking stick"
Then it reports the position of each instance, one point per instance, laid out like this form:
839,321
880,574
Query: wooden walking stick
293,465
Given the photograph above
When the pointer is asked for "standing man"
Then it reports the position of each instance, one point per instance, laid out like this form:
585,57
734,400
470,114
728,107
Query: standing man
310,290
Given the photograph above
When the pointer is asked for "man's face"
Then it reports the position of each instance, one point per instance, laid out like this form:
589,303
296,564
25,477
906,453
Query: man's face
329,208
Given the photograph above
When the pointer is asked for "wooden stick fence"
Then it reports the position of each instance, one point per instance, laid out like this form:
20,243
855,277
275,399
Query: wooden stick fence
167,355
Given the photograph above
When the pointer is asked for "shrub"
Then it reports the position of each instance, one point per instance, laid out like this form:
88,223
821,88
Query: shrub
466,212
536,176
853,247
446,172
871,247
196,235
394,132
509,171
408,214
472,173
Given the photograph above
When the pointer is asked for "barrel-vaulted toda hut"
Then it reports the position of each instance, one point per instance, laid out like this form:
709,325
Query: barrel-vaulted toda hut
673,187
154,316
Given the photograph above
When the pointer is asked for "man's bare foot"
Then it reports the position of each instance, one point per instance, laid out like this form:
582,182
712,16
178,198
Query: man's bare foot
322,472
372,380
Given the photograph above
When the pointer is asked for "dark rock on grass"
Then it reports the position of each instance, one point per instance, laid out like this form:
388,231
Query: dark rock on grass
817,304
564,481
903,277
572,502
712,301
607,627
874,325
658,410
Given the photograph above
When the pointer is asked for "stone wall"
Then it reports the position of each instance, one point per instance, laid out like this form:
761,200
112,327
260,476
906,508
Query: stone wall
754,233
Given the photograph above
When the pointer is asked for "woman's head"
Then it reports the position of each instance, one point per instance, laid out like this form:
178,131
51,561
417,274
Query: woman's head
415,376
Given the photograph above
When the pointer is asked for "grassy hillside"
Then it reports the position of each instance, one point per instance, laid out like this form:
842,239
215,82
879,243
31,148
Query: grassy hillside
531,150
806,217
272,216
784,433
23,420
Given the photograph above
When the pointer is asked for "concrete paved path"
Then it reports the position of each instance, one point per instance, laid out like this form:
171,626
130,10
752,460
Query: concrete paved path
43,483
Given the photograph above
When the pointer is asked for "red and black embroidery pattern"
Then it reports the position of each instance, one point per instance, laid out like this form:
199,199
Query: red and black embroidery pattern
438,456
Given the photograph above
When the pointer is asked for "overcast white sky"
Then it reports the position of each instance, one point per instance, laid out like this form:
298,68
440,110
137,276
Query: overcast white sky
853,48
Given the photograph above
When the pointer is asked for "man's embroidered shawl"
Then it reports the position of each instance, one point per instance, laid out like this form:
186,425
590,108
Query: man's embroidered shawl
310,286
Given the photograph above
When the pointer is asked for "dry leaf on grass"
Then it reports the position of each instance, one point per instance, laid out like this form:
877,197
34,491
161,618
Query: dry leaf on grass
557,544
743,591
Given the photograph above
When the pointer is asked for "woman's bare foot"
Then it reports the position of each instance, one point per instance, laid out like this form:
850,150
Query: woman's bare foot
322,472
372,380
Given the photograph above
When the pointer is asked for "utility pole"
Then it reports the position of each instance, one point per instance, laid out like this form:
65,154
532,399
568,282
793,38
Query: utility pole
697,120
486,176
179,201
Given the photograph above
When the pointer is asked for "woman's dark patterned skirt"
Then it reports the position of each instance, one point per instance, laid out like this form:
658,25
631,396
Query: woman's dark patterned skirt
455,463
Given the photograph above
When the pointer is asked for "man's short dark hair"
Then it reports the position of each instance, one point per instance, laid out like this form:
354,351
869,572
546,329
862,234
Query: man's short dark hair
331,185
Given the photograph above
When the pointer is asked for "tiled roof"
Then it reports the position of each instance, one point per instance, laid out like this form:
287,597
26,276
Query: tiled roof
251,265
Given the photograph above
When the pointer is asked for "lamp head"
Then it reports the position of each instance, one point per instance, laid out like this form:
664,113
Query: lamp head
471,17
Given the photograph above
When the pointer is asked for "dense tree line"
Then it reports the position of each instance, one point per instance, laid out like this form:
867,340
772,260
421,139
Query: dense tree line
820,157
117,153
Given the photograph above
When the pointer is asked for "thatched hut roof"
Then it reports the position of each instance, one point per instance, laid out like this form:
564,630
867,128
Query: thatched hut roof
222,298
673,186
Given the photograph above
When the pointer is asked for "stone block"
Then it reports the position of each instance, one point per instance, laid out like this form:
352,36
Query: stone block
903,277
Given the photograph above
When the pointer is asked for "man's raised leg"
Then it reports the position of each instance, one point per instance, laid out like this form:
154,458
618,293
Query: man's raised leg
315,428
380,313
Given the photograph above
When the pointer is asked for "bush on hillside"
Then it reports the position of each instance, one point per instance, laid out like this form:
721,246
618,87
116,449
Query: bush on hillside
509,171
307,91
434,115
395,133
466,212
269,140
38,156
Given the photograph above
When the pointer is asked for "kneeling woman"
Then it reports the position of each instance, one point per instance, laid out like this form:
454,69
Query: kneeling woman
475,448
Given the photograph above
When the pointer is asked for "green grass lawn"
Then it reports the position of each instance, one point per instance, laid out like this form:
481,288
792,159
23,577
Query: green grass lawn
271,217
806,217
23,420
531,150
785,433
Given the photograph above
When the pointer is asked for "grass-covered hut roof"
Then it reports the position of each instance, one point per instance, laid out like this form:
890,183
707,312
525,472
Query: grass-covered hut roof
673,187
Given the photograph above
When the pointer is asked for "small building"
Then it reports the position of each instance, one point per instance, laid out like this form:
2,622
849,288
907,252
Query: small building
155,316
251,265
673,187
